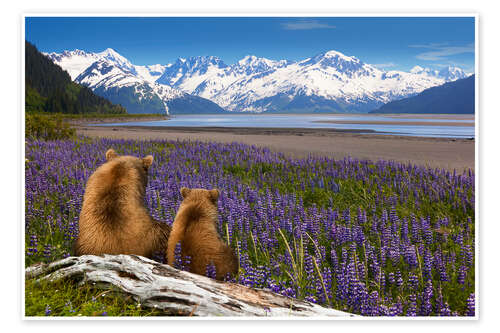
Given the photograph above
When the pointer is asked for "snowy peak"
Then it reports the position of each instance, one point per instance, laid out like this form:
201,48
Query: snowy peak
74,62
150,73
116,58
247,60
103,72
251,64
336,60
449,73
329,81
112,54
201,62
77,61
334,56
417,70
452,73
193,67
253,61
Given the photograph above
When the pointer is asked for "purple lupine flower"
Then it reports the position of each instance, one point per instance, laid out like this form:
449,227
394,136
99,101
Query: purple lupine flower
210,271
469,255
471,305
445,310
33,249
382,242
399,279
412,306
426,306
47,252
462,271
180,262
391,278
427,266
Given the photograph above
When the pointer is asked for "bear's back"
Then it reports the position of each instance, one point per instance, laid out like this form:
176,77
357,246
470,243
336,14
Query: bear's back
113,218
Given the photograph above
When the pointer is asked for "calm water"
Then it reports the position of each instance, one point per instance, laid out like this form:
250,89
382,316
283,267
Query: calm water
318,121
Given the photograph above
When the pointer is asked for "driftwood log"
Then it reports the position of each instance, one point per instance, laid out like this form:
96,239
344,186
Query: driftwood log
176,292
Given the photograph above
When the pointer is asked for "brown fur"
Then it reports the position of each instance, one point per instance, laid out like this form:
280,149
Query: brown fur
195,227
114,219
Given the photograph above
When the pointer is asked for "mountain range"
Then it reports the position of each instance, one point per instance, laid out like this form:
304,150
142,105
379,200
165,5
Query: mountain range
327,82
457,97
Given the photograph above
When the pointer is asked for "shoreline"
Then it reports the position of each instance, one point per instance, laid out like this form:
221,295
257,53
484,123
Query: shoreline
118,119
400,123
447,153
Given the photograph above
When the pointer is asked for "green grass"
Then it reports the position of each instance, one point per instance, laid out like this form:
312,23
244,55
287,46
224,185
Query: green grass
65,298
47,127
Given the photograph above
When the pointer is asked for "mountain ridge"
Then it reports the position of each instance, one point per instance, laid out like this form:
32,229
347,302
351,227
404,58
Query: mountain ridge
455,97
112,76
327,82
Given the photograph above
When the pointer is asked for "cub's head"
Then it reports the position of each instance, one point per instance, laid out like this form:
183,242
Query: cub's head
120,166
204,198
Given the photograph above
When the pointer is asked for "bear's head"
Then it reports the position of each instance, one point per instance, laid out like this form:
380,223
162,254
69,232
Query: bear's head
121,166
200,195
205,200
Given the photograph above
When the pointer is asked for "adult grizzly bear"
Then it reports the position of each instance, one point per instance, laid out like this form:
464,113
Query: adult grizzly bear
195,228
114,219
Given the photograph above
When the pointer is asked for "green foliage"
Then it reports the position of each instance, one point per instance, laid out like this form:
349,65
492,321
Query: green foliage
66,298
33,101
50,89
47,127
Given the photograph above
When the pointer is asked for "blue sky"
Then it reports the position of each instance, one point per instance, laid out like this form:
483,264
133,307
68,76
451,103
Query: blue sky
388,42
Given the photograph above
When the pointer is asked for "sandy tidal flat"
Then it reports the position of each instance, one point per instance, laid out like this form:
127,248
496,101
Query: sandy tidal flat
432,152
400,123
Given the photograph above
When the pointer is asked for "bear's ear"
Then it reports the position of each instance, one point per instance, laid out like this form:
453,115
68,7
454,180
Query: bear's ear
214,195
110,154
185,192
147,161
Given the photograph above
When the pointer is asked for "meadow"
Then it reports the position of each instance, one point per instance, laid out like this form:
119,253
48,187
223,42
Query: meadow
375,238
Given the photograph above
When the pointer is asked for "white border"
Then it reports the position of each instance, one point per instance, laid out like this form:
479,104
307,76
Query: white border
230,13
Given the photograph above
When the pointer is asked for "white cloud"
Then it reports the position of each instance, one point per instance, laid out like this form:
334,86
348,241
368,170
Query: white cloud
439,51
306,25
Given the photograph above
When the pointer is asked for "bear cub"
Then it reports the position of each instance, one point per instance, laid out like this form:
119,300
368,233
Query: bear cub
195,227
114,218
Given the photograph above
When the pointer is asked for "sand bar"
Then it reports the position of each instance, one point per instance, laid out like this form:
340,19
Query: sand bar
445,153
400,123
427,116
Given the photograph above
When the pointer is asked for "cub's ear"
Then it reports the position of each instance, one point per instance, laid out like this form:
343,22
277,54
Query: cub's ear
110,154
214,195
147,161
185,191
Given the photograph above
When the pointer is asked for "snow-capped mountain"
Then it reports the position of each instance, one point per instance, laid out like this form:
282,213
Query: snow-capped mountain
330,81
327,82
112,76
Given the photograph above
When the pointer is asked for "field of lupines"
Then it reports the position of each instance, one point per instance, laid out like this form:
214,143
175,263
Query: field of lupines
372,238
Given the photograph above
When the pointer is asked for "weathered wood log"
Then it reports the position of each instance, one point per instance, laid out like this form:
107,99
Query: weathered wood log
176,292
